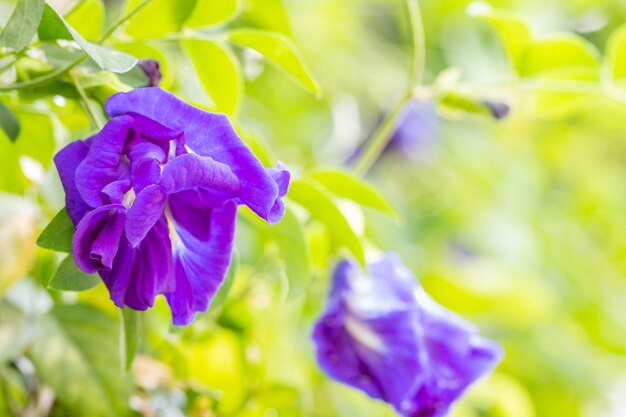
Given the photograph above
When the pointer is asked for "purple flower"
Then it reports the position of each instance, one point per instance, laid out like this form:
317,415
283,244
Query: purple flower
417,129
382,334
154,199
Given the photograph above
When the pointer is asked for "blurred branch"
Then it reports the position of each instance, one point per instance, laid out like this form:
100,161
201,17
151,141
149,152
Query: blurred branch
381,136
94,120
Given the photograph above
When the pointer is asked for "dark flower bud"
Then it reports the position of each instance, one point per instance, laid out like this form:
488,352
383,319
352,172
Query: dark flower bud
152,70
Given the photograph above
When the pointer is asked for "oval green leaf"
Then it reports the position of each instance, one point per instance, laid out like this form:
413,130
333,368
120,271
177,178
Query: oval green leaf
213,12
278,49
218,71
69,277
22,25
58,233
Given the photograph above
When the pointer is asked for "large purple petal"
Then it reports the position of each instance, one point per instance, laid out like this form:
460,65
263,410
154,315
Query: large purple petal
383,334
207,134
191,171
66,161
201,266
191,210
104,163
97,238
140,273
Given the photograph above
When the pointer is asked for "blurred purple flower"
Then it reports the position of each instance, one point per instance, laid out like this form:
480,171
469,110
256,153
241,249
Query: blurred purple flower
417,128
154,198
498,110
152,69
382,334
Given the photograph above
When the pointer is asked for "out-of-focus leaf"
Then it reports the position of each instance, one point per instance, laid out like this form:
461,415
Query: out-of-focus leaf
58,56
22,24
218,72
454,102
129,336
348,186
157,18
14,334
76,354
53,26
268,15
9,123
615,57
514,34
566,58
58,233
88,19
35,140
69,277
222,293
320,205
212,12
294,249
278,49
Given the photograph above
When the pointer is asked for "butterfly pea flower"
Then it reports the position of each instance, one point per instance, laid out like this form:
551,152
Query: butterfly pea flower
154,198
383,334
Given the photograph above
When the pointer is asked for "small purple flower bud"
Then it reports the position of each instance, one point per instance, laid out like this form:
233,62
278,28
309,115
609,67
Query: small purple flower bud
498,110
381,333
152,69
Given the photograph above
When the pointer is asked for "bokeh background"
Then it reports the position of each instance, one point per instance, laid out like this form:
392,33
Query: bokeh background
516,223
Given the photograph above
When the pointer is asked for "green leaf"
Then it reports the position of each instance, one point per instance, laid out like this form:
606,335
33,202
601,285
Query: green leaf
348,186
75,354
320,205
58,233
69,277
222,293
294,249
212,12
22,24
565,58
157,18
9,123
280,50
53,27
514,34
143,50
615,56
218,72
129,336
88,19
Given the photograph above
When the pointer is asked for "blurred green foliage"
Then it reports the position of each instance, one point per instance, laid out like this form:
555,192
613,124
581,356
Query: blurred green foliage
517,224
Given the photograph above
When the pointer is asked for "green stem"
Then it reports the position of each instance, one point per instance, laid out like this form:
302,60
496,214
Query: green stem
44,79
94,120
381,136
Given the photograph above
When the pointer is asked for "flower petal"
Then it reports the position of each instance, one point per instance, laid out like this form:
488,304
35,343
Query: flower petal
104,163
144,213
97,238
281,177
208,134
191,210
191,171
66,161
140,273
201,266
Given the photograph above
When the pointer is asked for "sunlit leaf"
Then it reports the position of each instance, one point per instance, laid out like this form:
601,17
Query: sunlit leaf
514,34
348,186
267,15
22,24
218,72
87,18
53,26
278,49
58,233
145,50
615,56
212,12
289,236
69,277
9,123
157,18
320,205
566,57
76,354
